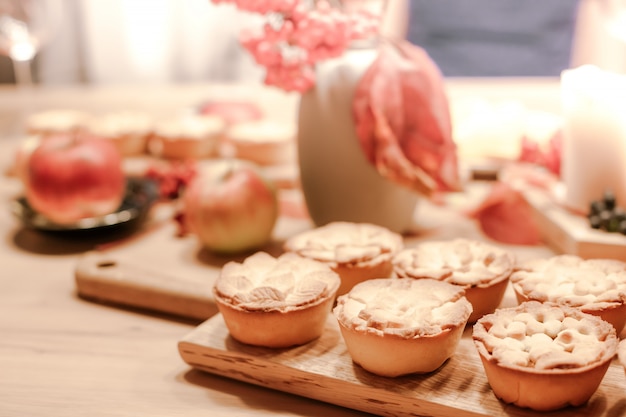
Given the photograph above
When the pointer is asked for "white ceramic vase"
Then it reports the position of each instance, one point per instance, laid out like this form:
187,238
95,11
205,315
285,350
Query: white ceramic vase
338,182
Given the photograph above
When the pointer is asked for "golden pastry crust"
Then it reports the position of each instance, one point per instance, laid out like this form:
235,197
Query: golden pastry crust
544,356
483,270
356,251
596,286
394,327
621,354
275,302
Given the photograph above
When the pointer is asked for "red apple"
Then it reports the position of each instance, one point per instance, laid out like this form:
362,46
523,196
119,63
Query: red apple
231,207
71,177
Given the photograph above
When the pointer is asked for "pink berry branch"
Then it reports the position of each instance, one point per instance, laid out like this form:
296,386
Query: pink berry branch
297,34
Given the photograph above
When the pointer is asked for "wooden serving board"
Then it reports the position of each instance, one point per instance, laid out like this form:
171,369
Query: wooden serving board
569,233
323,370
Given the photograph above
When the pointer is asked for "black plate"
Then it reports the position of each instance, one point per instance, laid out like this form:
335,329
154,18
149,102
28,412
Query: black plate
140,194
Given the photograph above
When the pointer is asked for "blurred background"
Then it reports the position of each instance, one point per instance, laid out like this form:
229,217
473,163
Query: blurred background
161,41
139,41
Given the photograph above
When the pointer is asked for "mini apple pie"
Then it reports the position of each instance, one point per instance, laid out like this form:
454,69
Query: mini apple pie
263,142
128,130
544,356
356,251
483,270
395,327
275,302
596,286
187,137
57,121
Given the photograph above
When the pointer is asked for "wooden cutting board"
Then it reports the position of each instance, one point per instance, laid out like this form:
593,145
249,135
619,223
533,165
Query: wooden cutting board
322,370
112,278
570,233
159,271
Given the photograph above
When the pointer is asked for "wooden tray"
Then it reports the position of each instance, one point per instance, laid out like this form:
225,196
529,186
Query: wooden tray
570,233
322,370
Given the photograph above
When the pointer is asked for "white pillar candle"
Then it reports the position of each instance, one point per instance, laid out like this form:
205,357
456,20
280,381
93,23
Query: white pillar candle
594,141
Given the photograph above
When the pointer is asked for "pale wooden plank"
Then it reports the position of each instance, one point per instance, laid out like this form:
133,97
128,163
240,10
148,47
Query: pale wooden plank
108,277
323,370
569,233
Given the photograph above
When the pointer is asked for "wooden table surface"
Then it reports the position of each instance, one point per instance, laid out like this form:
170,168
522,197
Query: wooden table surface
61,355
